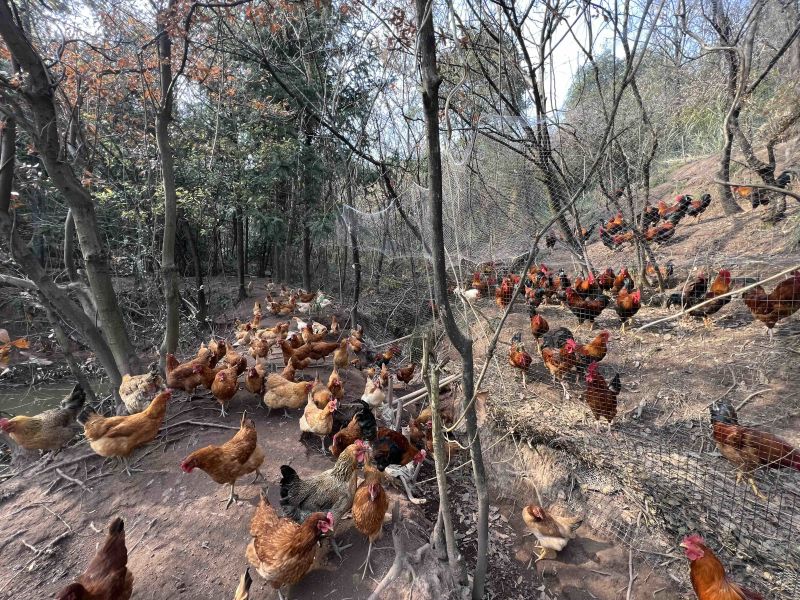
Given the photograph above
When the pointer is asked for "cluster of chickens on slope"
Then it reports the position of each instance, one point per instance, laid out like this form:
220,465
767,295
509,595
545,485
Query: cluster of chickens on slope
283,547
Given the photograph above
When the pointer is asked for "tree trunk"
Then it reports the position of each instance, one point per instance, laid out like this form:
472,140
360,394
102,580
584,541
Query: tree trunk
723,27
356,277
240,269
463,344
729,205
306,259
202,304
39,96
431,378
21,253
169,272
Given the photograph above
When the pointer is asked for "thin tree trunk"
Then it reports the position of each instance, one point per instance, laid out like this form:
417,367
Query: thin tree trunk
240,269
202,304
169,272
463,344
20,251
306,258
431,378
39,95
63,341
356,276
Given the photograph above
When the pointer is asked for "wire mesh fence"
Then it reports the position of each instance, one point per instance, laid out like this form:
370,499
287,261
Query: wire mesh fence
662,471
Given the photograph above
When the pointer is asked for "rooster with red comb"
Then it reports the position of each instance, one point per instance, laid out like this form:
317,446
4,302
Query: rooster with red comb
708,576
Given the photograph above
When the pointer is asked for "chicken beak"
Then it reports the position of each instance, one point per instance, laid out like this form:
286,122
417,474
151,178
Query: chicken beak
683,545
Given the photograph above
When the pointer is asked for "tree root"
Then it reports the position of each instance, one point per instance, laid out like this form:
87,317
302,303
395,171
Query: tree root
402,559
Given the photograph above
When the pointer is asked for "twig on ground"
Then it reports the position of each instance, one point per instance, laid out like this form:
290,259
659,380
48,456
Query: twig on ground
144,533
66,463
200,424
750,397
77,482
631,577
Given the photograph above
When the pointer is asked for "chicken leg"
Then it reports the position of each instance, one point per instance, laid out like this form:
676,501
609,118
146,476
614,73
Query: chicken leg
222,412
366,563
257,475
128,468
546,553
232,498
752,482
337,549
322,440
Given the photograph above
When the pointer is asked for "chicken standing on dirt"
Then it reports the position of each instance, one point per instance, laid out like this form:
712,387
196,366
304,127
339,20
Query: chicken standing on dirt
627,305
50,430
405,374
708,575
318,421
106,576
235,458
137,391
770,308
120,436
282,393
553,532
341,356
539,325
719,287
254,380
519,358
420,432
373,393
225,386
331,490
369,508
283,551
748,448
600,396
559,361
594,351
691,294
335,386
186,376
586,309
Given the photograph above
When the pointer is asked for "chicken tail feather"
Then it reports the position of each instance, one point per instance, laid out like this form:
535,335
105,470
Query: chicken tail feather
288,477
615,385
116,527
674,299
75,400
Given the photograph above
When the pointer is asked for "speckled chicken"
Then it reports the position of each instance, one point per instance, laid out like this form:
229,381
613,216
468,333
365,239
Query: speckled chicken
50,430
137,391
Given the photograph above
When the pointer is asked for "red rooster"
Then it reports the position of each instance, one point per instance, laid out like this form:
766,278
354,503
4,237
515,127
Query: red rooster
518,358
627,305
770,308
748,448
708,575
502,295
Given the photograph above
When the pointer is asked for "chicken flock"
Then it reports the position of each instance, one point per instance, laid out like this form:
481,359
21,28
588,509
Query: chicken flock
285,542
